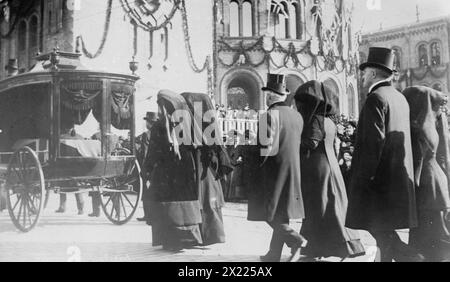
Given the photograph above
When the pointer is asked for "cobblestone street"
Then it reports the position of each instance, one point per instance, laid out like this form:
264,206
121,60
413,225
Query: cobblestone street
70,237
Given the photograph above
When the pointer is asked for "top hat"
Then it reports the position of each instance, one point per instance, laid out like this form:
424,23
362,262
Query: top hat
12,65
382,58
150,116
277,84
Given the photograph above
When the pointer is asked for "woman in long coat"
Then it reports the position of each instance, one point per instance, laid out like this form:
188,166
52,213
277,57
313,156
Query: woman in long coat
323,186
211,164
431,237
175,210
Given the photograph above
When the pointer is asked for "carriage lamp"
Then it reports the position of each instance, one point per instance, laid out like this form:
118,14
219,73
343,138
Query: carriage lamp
134,66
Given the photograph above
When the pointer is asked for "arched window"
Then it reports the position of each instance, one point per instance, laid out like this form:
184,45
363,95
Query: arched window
397,58
247,18
34,32
241,18
294,21
423,55
281,21
234,19
22,33
435,51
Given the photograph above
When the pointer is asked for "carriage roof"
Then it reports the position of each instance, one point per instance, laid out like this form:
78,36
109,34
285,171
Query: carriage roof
60,64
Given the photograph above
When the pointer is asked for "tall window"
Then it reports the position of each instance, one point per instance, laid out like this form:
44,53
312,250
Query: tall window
281,25
241,18
247,18
423,55
435,51
397,58
34,32
22,33
234,19
294,21
33,40
286,20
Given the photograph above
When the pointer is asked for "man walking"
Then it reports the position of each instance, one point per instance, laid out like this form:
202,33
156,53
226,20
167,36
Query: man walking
142,144
276,196
381,193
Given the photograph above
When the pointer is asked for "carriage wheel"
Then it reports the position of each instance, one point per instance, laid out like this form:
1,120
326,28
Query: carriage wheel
25,187
121,195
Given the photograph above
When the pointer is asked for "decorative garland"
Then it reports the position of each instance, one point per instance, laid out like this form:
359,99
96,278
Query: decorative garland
105,36
207,64
137,19
421,73
241,56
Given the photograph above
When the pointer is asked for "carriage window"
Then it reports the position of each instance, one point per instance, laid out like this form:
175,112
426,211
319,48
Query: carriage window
80,137
121,119
81,114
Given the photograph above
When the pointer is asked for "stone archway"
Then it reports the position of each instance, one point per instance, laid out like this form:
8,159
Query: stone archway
240,87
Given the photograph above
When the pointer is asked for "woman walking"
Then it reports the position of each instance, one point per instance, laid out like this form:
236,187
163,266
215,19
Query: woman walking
175,211
323,186
211,164
428,133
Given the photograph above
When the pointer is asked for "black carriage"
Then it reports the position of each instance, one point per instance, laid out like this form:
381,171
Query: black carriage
69,130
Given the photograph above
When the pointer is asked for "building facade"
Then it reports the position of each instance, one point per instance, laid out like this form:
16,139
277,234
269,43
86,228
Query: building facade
303,39
422,51
221,47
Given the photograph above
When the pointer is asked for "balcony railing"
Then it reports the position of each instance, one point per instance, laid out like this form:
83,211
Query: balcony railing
240,125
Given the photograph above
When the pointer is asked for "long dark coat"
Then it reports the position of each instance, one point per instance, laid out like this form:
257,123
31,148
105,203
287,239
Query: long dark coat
431,237
323,186
208,160
278,193
381,194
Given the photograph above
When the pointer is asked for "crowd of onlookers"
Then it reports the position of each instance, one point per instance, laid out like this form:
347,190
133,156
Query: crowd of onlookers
229,113
239,148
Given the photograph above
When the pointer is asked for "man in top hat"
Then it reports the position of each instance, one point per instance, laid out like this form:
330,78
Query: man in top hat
142,147
275,196
381,192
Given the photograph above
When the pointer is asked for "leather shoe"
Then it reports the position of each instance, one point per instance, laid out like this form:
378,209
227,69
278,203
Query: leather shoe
60,210
94,214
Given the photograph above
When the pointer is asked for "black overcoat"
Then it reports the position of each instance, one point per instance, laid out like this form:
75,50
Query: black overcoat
277,190
381,193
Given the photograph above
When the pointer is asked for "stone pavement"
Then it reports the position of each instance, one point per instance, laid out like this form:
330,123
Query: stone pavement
69,237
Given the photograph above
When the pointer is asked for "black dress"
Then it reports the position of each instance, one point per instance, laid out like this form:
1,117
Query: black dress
325,197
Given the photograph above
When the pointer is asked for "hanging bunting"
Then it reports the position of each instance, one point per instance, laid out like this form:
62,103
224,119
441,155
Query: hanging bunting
150,15
79,39
150,50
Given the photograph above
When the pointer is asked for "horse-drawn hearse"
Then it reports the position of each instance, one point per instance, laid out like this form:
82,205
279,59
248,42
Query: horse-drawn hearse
61,130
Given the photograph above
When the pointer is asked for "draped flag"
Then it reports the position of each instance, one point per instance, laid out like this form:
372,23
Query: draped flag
276,8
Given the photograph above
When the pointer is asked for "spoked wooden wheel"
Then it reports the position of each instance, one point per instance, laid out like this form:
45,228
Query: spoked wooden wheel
25,189
121,195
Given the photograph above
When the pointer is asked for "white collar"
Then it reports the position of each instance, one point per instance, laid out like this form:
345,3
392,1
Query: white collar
378,83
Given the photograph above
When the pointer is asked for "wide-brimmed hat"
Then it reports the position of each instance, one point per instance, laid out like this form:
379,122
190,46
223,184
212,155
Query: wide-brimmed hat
151,116
382,58
277,84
